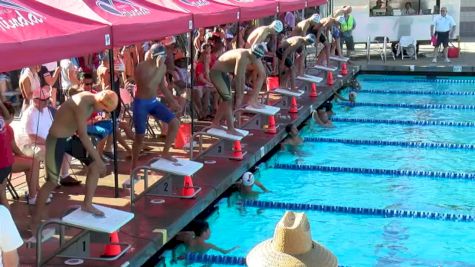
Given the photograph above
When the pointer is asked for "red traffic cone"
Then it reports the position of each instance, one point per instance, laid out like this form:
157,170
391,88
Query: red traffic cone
188,189
344,69
293,105
111,250
237,151
330,80
313,92
271,125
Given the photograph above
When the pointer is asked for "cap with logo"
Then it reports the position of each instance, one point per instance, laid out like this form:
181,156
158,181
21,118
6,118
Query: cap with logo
259,50
248,179
277,26
158,50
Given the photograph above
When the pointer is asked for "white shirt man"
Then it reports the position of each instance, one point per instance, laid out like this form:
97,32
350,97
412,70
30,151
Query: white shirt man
10,239
443,27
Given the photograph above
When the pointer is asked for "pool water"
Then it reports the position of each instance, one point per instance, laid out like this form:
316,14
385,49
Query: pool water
363,240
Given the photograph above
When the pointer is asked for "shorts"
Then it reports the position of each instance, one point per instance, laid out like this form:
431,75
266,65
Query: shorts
336,32
55,149
322,39
4,173
143,107
288,61
100,129
442,38
222,84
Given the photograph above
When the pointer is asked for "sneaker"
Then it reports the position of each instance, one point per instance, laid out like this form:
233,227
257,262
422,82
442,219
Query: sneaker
447,60
434,60
32,200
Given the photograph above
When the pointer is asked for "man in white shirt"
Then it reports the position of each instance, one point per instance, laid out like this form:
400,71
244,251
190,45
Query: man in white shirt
10,239
36,122
444,26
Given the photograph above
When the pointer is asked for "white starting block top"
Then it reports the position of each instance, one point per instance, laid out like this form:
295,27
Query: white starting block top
266,110
182,167
310,78
223,134
112,221
288,92
320,67
340,59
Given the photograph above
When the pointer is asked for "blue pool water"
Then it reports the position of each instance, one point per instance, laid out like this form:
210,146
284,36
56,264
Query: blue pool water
362,240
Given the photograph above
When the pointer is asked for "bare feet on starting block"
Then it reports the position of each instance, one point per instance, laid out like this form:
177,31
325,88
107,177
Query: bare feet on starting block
91,209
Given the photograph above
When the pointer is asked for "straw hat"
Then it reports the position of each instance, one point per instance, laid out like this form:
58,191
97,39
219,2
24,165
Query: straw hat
292,246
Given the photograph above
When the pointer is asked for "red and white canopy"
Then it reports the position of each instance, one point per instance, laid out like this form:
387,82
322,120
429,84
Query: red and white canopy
252,9
132,21
32,33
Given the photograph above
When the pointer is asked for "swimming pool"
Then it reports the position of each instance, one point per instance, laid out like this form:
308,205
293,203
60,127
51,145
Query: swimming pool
362,239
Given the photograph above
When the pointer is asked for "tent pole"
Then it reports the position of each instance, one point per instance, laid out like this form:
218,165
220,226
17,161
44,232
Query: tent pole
192,74
114,123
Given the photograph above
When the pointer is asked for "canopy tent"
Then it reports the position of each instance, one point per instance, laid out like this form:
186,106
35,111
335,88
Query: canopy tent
32,33
132,21
205,13
252,9
291,5
314,3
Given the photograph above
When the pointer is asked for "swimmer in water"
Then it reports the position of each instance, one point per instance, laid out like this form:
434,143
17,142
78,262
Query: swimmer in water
293,142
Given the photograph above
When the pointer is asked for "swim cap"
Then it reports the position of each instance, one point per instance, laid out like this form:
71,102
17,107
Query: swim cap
277,25
311,38
353,94
259,50
248,179
158,50
107,99
315,18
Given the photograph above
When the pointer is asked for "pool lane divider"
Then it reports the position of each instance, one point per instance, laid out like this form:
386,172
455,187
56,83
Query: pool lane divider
411,106
218,259
386,213
415,92
411,173
406,122
467,81
389,143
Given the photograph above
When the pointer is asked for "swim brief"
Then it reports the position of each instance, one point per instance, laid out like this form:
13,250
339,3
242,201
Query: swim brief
222,84
55,149
143,107
288,61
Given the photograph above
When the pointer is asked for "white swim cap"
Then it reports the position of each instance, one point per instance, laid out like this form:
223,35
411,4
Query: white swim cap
353,94
316,18
248,179
277,25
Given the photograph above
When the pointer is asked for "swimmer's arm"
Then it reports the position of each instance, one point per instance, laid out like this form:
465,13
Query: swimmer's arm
224,251
340,97
317,118
239,72
82,134
168,94
261,186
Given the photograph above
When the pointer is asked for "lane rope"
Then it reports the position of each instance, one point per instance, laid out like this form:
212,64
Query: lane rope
411,106
406,122
411,173
389,143
415,92
386,213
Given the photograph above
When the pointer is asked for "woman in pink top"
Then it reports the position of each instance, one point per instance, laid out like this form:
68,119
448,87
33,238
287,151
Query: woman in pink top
6,160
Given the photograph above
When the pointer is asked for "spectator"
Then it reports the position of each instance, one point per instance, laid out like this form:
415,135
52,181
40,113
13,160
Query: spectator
6,160
289,21
68,75
347,25
36,122
47,80
29,81
23,163
10,239
443,27
408,10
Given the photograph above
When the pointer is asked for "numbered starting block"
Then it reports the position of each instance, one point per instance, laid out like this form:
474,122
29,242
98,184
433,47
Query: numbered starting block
310,78
270,111
98,235
290,102
324,68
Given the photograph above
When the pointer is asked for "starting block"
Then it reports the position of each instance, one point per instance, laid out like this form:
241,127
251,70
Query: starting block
95,231
287,92
310,78
220,133
340,59
266,110
168,186
320,67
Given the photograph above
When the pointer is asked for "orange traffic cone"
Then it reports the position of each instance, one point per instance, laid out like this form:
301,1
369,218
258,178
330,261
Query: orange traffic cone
237,151
330,80
188,189
112,250
271,125
293,105
313,93
344,69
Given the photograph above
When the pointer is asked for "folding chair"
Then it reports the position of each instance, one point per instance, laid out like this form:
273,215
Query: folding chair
383,46
11,188
407,44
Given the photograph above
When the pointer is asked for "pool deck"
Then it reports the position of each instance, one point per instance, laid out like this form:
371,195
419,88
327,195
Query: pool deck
155,224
